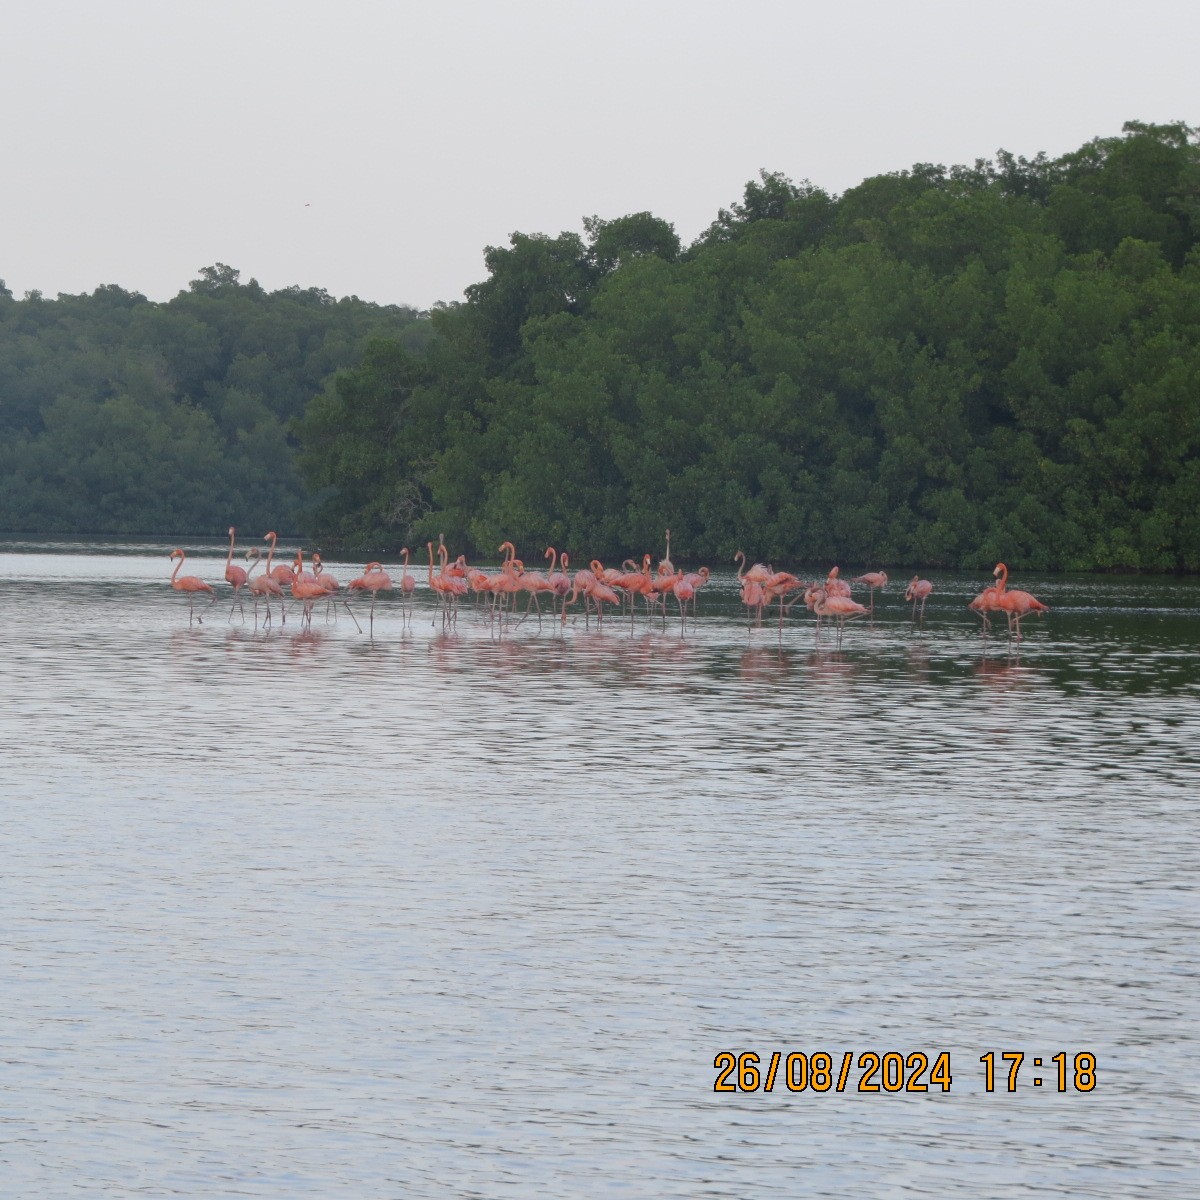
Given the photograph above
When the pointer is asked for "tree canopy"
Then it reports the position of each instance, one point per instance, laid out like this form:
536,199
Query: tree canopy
940,367
120,415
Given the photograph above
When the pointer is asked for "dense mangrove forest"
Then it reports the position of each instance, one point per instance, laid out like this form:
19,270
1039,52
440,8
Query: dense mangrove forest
119,415
939,367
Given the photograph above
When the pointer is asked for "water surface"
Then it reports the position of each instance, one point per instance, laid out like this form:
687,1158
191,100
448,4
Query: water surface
309,913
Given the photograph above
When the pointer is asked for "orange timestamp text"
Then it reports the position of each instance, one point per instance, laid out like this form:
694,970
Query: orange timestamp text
890,1071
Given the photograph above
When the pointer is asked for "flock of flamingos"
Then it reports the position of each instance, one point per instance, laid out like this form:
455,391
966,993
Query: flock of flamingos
596,585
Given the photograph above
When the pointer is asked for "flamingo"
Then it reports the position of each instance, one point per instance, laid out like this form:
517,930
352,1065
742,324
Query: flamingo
322,576
559,579
455,577
261,587
873,580
456,569
236,576
985,603
697,579
811,594
593,590
841,608
534,583
918,592
305,588
683,592
777,587
753,596
665,565
190,584
408,585
639,583
1015,604
508,583
441,584
327,581
374,579
757,573
663,583
281,573
835,586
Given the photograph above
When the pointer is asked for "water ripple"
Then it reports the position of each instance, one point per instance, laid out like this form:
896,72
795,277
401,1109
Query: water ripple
303,913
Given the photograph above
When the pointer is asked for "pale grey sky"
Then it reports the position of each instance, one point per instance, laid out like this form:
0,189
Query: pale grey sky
375,148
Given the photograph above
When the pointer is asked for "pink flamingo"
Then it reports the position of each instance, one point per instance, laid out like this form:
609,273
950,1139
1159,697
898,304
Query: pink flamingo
985,603
261,587
835,586
753,597
507,584
327,581
443,585
665,565
593,590
918,592
873,580
322,576
683,592
455,577
559,579
1016,604
841,608
236,576
535,584
663,583
408,585
458,568
757,573
778,586
639,583
697,579
374,579
282,573
305,588
190,584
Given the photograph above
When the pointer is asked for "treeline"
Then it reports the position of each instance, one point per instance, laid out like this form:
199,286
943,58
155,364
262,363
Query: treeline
940,367
119,415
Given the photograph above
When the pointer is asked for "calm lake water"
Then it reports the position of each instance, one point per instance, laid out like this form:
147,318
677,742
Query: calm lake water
311,914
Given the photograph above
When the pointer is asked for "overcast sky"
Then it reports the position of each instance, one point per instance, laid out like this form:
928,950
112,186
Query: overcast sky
375,148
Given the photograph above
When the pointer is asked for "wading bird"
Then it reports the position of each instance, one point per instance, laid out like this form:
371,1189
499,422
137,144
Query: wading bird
262,587
190,584
840,608
873,580
374,579
918,592
236,576
1016,605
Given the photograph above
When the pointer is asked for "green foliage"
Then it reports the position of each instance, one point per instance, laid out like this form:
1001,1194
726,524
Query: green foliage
943,367
940,367
118,415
